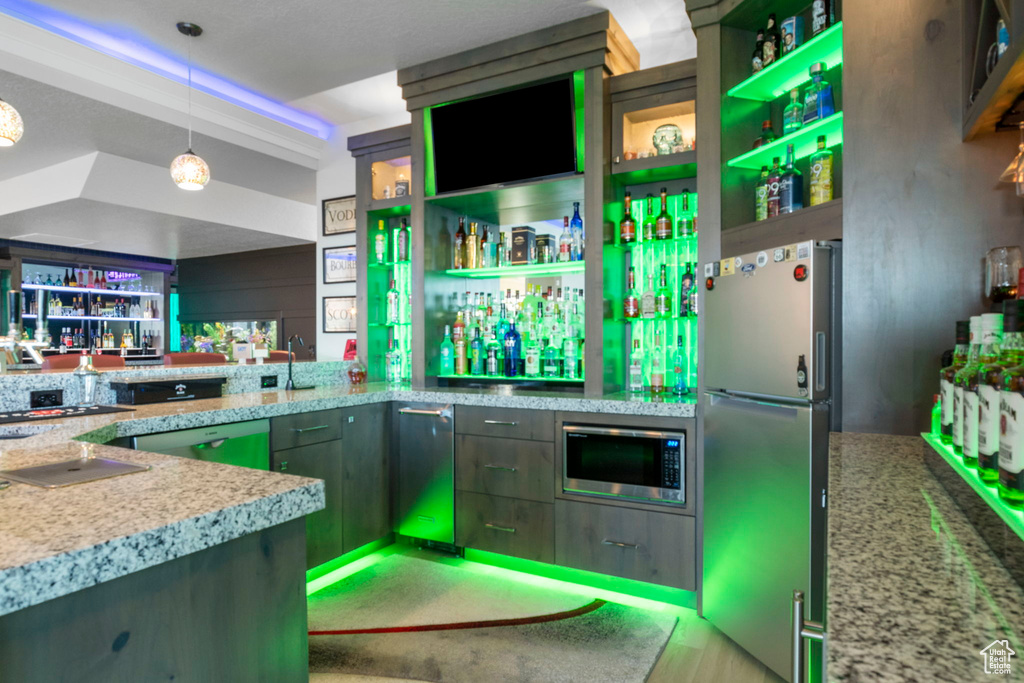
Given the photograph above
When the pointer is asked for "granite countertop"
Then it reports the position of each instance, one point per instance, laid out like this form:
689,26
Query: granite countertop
56,541
914,593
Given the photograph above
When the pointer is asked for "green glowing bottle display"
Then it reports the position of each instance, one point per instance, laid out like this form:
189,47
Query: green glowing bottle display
946,376
990,382
988,352
958,384
1010,471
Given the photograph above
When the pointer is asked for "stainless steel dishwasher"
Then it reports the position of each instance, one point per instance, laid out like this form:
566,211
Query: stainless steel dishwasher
426,471
246,444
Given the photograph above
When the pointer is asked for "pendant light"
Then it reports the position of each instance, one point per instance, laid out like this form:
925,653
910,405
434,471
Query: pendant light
11,125
189,171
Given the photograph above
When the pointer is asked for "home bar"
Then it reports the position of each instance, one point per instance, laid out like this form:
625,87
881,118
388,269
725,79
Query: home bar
619,341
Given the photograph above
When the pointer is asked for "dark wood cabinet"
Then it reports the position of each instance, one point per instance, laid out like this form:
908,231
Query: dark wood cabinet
303,429
634,544
505,467
509,423
324,527
521,528
366,508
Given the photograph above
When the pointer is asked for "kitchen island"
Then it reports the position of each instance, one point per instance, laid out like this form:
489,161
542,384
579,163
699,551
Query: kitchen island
914,593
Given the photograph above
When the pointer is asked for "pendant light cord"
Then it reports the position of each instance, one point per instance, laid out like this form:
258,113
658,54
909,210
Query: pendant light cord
190,94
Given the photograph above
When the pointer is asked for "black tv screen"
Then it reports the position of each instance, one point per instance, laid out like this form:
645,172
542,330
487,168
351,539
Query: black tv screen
504,138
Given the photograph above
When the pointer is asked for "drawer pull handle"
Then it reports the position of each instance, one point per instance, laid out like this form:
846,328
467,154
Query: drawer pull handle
500,422
508,529
617,544
303,430
499,467
424,518
413,411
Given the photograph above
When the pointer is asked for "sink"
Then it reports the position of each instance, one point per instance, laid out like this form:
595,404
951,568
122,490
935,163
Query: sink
23,431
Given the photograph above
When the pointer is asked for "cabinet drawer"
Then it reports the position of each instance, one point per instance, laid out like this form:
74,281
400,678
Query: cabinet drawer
519,528
324,528
289,431
536,425
635,544
505,467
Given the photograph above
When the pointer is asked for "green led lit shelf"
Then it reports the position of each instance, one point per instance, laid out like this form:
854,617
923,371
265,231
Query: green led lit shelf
990,494
793,69
522,378
389,324
682,319
557,268
388,264
804,141
687,239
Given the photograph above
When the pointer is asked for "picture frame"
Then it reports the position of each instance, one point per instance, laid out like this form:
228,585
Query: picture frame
339,215
339,314
339,265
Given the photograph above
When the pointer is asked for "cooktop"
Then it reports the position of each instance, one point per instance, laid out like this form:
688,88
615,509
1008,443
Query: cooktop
54,413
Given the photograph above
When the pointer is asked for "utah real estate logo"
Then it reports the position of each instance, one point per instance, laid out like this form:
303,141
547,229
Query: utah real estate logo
997,657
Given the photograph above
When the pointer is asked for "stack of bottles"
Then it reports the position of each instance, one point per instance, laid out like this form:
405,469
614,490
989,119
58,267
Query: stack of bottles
536,336
982,399
781,190
396,251
480,248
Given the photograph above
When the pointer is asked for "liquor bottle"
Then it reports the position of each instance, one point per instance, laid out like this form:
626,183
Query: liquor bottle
1011,418
380,243
532,354
472,247
990,382
757,60
403,242
80,280
394,302
973,348
513,351
577,231
459,245
565,241
447,353
648,224
679,387
631,304
459,328
627,226
821,174
636,368
988,352
647,309
72,282
570,353
461,355
822,15
772,42
946,376
494,357
685,290
663,224
393,363
657,366
92,278
818,100
761,196
767,135
477,357
686,224
774,185
791,185
551,360
793,115
663,297
485,260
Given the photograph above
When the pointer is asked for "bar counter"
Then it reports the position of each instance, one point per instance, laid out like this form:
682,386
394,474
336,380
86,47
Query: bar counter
914,593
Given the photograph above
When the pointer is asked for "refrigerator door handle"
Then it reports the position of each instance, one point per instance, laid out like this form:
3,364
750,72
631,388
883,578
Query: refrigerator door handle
778,405
819,361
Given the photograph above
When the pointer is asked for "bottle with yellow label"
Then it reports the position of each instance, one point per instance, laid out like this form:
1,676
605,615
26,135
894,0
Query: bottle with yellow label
821,174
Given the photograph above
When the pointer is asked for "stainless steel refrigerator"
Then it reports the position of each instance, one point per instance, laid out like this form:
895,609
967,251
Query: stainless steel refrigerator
771,398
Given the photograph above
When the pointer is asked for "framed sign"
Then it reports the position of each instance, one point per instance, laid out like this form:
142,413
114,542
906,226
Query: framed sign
339,265
339,215
339,314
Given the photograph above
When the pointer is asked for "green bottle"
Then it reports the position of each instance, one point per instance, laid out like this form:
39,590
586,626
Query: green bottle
761,196
477,355
988,353
958,384
946,377
447,353
990,382
1011,409
663,297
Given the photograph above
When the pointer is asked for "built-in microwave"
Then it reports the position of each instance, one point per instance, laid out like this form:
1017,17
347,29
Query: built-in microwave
624,463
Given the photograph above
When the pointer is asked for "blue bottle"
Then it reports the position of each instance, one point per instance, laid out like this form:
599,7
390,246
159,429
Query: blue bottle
576,226
477,356
513,351
818,100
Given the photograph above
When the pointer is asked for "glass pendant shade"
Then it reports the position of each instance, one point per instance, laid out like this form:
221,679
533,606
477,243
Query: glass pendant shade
11,125
189,171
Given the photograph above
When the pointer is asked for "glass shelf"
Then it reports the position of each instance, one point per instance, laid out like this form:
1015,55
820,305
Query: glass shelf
88,290
389,324
556,268
683,239
792,70
94,317
685,318
521,378
804,141
990,494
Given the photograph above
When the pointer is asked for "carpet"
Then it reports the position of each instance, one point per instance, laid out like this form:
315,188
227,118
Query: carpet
589,641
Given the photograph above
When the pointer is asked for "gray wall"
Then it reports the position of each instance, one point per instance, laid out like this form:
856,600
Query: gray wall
921,209
268,284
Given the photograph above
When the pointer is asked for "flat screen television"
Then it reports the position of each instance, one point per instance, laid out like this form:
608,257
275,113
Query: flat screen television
507,137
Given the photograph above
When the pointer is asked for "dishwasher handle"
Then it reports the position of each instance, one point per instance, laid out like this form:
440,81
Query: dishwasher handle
416,411
216,443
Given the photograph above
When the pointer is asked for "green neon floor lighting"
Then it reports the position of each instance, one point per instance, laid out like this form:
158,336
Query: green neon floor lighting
990,494
804,141
520,378
792,70
556,268
348,564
